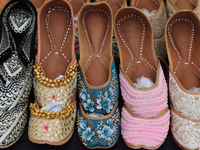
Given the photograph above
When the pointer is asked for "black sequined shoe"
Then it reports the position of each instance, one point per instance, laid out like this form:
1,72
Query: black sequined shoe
17,34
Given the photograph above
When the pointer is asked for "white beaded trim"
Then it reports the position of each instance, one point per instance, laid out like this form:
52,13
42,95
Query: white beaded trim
172,41
51,9
99,52
142,40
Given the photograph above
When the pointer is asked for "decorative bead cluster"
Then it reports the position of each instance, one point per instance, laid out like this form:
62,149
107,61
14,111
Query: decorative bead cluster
55,83
186,20
65,113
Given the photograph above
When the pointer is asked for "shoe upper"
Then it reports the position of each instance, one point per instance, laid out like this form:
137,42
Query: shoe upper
18,29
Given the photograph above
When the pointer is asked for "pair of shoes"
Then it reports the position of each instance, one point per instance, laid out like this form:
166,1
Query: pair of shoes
175,5
53,113
17,33
145,114
182,40
156,11
98,118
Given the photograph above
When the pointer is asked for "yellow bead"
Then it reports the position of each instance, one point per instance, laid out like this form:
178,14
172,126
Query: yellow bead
48,113
71,67
41,81
47,79
39,115
48,84
58,80
44,82
50,80
68,80
70,70
53,113
35,70
45,111
38,67
52,85
37,73
43,78
36,114
34,66
37,76
41,111
60,84
43,115
57,113
62,79
65,82
65,77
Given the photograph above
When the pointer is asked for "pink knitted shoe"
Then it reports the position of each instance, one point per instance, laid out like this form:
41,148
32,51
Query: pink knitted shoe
145,115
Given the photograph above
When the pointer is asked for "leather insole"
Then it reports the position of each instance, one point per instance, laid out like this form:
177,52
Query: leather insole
181,35
132,31
97,72
185,4
58,25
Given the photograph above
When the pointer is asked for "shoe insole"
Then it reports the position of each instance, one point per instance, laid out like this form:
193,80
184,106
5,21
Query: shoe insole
132,31
181,34
97,72
185,4
56,33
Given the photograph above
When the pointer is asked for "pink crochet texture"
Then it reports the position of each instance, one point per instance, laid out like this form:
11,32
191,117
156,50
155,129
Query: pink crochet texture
143,127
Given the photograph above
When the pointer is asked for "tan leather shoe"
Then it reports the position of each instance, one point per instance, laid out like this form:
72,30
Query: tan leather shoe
55,76
176,5
158,21
182,41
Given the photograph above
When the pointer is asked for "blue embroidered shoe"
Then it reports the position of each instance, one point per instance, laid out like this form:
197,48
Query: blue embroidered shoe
98,113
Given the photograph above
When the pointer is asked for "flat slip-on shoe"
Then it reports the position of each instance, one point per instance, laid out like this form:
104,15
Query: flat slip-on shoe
98,119
158,21
182,40
145,114
17,33
54,111
174,6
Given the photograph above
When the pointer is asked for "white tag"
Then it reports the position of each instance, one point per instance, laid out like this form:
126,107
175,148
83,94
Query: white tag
149,14
59,77
7,82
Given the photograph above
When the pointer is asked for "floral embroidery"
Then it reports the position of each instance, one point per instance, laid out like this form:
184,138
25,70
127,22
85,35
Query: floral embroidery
185,103
102,100
87,134
109,94
105,133
89,105
104,104
84,96
99,131
82,126
86,131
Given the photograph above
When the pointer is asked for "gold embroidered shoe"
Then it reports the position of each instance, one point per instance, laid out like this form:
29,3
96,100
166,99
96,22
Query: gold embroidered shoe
54,111
156,11
176,5
182,40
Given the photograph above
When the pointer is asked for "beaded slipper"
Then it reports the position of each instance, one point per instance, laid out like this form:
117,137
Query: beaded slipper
54,111
175,5
156,11
145,115
17,31
184,85
98,114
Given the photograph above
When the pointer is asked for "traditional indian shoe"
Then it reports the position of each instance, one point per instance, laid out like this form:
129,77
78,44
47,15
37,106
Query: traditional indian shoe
98,119
175,5
54,111
17,33
182,36
145,114
156,11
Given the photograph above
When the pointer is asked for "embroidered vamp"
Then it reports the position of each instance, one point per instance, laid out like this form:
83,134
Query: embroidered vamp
98,102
